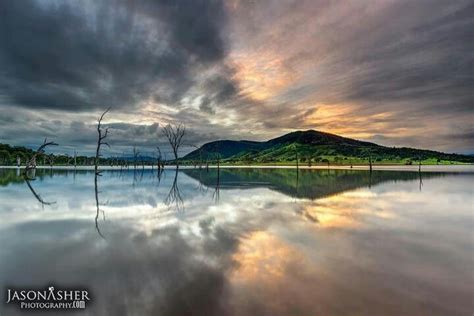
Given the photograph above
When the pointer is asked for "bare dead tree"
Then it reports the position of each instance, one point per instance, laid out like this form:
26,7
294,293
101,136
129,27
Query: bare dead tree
158,157
31,164
175,134
370,160
136,154
51,161
102,135
297,162
159,160
218,157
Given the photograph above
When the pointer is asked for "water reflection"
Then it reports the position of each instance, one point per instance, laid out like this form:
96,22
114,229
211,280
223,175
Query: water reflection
277,243
28,176
306,184
174,200
97,203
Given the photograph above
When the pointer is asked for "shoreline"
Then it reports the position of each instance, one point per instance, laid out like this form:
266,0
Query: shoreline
465,168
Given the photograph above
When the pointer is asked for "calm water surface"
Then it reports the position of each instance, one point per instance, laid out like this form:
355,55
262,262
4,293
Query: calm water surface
244,241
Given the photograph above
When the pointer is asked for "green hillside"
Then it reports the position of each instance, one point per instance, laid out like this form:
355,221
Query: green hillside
314,147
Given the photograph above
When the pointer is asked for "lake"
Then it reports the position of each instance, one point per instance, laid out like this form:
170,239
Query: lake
243,241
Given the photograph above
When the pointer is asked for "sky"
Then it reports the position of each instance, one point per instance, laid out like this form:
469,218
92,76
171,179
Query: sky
398,73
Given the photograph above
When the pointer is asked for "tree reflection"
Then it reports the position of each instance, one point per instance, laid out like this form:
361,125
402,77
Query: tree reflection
29,173
35,194
174,198
216,194
421,179
97,204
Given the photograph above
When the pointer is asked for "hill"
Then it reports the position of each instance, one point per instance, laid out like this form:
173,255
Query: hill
316,147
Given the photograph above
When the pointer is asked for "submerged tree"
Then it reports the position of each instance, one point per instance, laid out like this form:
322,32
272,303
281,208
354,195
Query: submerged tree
31,163
158,157
175,134
102,135
296,156
31,166
136,154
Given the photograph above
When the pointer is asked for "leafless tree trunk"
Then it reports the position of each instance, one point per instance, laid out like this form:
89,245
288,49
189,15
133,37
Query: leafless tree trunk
175,134
296,153
136,154
102,135
159,159
31,164
51,161
217,156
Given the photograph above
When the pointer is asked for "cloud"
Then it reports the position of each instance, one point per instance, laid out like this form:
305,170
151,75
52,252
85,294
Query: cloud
76,57
392,59
240,69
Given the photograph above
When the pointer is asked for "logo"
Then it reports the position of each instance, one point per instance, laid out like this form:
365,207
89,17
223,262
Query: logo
49,298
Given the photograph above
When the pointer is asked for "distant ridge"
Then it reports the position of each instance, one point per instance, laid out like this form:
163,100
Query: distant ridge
316,146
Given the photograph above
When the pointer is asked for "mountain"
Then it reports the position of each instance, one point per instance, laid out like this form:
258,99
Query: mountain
315,146
312,137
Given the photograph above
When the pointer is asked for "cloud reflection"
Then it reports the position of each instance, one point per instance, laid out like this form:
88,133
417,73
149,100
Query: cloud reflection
385,250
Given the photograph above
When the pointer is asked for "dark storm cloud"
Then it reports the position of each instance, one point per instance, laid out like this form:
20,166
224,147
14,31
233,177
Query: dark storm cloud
430,64
205,106
400,72
79,56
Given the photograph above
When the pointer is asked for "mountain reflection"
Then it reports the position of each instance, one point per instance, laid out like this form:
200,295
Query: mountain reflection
306,184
